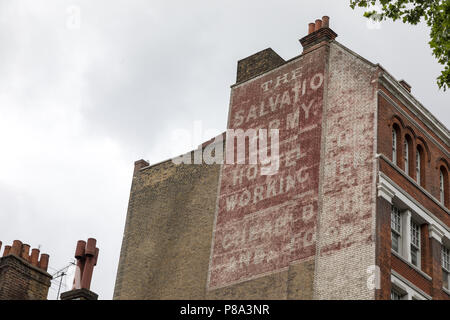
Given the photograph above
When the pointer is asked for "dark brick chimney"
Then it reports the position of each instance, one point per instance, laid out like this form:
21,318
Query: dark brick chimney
257,64
23,276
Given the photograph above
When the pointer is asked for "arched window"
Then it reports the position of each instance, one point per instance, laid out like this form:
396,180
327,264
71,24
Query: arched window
443,186
407,155
418,165
395,143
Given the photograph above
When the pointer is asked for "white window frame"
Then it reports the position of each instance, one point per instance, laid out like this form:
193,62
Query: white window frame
418,164
441,187
399,293
403,226
406,154
394,145
405,287
396,227
445,261
415,242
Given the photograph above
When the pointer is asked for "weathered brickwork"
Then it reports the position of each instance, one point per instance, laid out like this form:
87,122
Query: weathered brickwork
411,274
319,228
167,239
266,222
383,248
19,280
257,64
346,243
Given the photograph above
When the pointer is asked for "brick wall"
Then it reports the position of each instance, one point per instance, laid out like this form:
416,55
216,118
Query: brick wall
383,248
257,64
274,232
393,111
346,242
434,149
19,280
167,239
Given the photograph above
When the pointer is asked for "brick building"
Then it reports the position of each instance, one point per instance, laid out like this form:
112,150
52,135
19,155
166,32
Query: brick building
358,207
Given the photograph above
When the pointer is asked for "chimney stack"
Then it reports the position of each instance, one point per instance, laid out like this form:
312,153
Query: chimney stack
318,32
86,254
23,276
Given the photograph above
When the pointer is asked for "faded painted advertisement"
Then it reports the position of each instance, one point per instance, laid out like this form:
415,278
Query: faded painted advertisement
266,222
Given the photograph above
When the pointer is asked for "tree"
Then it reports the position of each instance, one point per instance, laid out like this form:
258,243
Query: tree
436,14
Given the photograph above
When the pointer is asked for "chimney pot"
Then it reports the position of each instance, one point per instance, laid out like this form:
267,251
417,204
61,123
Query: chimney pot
79,251
90,247
26,252
96,256
16,248
43,263
6,251
325,22
34,259
311,27
318,24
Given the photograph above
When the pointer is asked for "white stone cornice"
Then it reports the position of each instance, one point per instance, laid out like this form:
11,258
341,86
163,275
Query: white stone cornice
435,233
415,206
385,191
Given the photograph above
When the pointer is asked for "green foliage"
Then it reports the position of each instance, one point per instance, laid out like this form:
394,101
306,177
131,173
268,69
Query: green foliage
436,14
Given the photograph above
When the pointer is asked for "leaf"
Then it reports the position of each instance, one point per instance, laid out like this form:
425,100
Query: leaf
436,13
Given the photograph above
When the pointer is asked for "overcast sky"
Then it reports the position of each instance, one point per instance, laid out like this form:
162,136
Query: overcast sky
88,87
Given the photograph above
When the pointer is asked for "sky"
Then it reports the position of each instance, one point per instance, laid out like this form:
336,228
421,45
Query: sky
89,87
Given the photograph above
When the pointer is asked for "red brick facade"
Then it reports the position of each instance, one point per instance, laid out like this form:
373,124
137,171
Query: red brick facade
398,110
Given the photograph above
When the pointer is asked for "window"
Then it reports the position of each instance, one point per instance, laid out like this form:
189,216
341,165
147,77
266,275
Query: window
396,228
415,244
396,294
406,155
418,164
446,267
394,145
443,186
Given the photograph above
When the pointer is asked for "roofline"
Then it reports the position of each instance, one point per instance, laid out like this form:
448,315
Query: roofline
415,106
